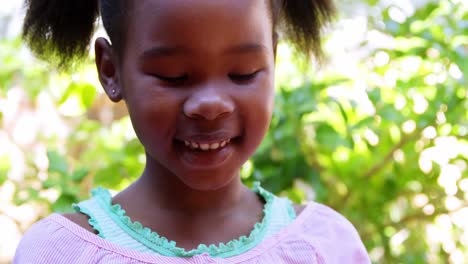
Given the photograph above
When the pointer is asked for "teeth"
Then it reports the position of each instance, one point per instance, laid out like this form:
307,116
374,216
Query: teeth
206,146
214,146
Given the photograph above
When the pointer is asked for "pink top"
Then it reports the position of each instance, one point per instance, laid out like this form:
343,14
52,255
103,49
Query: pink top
317,235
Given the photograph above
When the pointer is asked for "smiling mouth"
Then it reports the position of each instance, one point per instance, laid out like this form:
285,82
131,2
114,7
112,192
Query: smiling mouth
205,151
206,146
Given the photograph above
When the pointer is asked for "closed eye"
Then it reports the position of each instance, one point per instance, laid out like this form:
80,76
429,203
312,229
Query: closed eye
172,80
243,77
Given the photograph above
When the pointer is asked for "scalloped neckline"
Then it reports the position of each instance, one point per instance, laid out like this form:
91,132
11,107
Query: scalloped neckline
164,246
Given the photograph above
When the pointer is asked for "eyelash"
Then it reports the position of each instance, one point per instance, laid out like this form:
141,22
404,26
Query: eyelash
243,77
172,80
234,77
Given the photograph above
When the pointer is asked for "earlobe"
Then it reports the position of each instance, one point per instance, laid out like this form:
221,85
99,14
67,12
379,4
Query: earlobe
107,69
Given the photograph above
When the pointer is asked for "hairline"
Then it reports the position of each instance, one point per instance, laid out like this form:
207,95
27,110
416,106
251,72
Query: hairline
118,36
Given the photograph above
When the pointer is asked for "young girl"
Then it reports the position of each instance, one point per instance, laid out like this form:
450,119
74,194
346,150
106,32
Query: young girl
197,79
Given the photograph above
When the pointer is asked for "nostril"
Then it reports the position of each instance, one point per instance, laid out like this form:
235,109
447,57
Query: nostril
209,108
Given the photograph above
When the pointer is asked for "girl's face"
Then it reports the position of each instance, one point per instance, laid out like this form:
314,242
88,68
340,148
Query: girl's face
197,77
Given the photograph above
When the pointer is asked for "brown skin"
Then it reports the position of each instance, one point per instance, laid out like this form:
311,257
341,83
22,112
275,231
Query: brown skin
222,59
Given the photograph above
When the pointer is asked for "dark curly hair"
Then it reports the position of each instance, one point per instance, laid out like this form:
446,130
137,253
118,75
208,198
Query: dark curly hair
60,31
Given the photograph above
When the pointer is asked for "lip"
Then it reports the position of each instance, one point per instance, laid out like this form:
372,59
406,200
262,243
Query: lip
206,146
206,138
198,159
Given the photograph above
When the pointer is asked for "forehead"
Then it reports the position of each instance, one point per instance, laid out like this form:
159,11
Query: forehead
204,24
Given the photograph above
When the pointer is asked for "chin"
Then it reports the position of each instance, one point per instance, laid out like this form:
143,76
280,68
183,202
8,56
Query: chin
207,181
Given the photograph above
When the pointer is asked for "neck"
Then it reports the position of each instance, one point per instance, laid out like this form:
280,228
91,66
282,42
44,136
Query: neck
158,187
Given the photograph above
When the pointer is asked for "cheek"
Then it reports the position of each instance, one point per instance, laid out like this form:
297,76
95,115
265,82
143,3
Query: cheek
263,98
256,108
153,115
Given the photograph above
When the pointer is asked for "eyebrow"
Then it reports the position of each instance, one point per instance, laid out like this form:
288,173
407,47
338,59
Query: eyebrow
247,48
162,51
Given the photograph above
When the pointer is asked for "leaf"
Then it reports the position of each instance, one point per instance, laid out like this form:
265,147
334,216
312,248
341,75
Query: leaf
88,94
296,195
412,44
50,183
363,123
461,60
329,138
342,111
375,95
85,92
57,163
389,113
5,165
79,174
3,176
427,10
64,204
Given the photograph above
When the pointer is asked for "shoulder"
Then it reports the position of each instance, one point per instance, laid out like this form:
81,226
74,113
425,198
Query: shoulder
42,230
45,240
331,234
81,220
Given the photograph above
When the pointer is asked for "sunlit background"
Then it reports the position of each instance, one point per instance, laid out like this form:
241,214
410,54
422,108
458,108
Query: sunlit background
379,132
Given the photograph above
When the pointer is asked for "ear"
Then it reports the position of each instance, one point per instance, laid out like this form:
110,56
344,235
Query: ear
107,69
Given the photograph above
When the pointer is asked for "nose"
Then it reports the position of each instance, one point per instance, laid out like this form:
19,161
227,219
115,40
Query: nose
208,103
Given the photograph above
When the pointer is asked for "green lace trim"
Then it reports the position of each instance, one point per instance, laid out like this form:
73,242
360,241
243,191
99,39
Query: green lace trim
167,247
91,220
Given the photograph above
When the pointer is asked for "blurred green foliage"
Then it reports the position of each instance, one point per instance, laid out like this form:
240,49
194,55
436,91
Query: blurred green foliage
388,148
